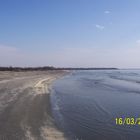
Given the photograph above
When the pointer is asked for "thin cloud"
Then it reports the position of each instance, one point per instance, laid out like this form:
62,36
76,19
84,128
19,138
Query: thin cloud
7,49
100,27
73,57
138,42
107,12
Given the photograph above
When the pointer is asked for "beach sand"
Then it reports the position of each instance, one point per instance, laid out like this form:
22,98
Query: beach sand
25,109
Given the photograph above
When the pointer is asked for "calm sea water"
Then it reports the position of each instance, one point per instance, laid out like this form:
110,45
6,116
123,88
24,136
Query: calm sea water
85,104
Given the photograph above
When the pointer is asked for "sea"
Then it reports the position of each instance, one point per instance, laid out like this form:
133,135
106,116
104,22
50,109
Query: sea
98,104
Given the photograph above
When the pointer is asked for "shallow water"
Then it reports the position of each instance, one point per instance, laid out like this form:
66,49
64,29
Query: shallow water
85,104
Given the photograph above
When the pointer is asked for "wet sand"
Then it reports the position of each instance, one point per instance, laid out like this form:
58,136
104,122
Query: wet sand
25,111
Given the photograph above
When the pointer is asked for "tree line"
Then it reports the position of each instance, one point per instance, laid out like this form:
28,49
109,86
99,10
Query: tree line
48,68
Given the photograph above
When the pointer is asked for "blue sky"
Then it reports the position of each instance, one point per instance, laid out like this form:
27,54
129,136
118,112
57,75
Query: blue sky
76,33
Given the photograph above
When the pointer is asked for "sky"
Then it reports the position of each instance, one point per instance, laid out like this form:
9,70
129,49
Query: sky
70,33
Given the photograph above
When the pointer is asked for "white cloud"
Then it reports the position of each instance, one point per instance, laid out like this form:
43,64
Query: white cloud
100,27
107,12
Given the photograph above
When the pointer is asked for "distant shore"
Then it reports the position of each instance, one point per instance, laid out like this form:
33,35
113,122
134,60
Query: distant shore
18,69
25,109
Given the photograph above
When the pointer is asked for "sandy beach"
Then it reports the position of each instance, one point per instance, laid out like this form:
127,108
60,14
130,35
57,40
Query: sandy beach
25,111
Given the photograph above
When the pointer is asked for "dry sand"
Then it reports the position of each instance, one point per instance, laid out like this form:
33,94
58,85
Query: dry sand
25,111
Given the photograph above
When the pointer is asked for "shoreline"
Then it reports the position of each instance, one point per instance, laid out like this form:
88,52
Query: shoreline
49,130
25,108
